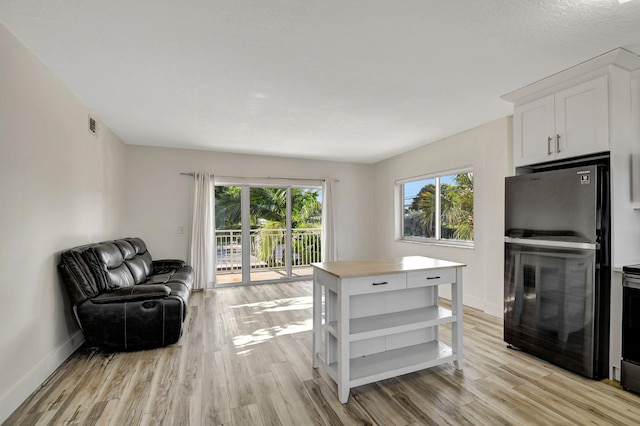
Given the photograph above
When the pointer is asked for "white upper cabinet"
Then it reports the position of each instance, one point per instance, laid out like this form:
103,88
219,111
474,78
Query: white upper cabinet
585,109
533,128
568,123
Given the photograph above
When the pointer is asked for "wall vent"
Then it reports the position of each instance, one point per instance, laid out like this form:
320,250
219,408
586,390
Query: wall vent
93,126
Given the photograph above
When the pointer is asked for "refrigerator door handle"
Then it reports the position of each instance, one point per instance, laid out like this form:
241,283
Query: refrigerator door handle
551,243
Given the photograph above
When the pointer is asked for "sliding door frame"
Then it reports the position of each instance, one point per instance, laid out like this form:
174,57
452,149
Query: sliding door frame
246,185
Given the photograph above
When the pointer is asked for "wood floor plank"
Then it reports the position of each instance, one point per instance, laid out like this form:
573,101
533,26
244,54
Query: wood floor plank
383,409
271,402
565,409
158,407
296,357
247,415
292,391
216,407
592,404
445,387
481,413
322,405
497,394
422,402
238,379
104,413
330,410
245,359
131,405
117,377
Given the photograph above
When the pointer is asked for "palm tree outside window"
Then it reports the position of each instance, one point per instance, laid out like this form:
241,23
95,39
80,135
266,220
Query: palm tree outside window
438,208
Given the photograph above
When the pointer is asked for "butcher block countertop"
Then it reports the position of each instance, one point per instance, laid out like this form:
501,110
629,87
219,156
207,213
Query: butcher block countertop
361,268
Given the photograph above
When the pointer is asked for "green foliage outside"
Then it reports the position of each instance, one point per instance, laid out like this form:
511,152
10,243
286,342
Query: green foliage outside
267,214
456,210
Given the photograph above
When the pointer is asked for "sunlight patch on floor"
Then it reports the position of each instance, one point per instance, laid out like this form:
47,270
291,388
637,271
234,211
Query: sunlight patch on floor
245,341
289,304
264,334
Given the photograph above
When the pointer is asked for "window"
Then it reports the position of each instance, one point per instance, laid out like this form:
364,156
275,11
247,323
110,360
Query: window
438,208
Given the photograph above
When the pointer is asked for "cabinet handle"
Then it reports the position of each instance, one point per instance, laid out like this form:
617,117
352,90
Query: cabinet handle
433,278
549,146
558,143
382,283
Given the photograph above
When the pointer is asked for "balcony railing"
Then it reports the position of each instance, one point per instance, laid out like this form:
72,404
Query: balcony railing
267,249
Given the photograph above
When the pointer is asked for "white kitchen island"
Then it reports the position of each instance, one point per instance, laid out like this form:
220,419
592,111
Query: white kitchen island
381,318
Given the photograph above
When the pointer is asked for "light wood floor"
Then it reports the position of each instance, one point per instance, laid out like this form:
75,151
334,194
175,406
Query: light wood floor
245,359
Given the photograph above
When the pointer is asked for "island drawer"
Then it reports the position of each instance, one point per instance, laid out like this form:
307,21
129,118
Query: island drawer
431,277
375,283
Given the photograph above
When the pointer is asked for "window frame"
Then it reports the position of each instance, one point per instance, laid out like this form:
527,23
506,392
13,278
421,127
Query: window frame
437,240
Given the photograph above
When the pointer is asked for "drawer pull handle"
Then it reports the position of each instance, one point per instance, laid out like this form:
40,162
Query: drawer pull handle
382,283
433,278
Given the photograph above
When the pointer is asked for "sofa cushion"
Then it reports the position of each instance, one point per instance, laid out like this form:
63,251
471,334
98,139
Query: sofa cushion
164,266
135,263
142,253
76,272
107,262
184,275
159,278
180,281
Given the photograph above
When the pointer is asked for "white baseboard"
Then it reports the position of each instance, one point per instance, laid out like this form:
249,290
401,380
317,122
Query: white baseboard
478,303
494,310
38,374
473,302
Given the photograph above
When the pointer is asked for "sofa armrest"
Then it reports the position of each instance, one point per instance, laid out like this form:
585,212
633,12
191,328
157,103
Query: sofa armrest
163,266
133,293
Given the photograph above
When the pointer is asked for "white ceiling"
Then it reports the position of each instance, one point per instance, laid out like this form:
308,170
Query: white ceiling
347,80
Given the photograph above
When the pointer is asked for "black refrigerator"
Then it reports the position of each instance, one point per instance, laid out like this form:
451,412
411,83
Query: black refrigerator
557,269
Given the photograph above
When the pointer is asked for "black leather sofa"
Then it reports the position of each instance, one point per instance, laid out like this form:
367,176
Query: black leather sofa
124,300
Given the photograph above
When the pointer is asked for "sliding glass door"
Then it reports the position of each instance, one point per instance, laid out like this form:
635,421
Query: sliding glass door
270,224
266,233
228,231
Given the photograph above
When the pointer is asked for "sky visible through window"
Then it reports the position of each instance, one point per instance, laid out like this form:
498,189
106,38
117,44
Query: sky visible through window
443,212
411,188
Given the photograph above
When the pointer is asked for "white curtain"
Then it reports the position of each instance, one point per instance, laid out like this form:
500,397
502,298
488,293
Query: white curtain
202,251
329,248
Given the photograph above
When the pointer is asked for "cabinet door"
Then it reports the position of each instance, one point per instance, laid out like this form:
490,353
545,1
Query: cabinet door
582,119
533,125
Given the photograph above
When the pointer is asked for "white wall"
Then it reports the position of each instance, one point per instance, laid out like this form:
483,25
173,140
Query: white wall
59,186
159,198
488,150
364,198
625,184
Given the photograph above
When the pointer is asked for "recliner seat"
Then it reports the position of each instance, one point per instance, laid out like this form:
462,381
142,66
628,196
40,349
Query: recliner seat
124,300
